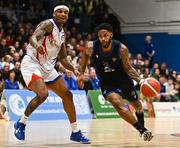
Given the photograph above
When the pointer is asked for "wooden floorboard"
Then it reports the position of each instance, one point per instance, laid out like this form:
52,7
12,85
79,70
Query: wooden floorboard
105,133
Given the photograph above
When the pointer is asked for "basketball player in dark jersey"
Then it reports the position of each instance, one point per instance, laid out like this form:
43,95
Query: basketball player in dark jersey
116,75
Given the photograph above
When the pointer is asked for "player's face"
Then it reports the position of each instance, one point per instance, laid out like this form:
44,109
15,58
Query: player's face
61,15
105,37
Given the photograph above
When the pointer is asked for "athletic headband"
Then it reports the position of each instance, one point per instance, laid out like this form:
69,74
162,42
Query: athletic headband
106,26
61,7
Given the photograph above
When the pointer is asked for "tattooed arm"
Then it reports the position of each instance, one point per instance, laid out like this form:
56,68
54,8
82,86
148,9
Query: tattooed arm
43,28
127,66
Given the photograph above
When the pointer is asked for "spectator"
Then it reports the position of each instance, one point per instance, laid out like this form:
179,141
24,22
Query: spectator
169,86
3,48
162,81
19,76
4,71
70,81
149,51
178,78
16,57
146,64
22,51
23,36
9,40
73,33
138,59
156,74
146,73
155,66
87,82
8,59
138,66
17,45
94,80
175,93
164,70
73,56
173,75
12,50
11,83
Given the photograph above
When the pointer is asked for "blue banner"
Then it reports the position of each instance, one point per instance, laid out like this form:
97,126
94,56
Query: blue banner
51,109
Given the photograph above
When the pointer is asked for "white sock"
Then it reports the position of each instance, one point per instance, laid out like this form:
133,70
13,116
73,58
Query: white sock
23,119
74,127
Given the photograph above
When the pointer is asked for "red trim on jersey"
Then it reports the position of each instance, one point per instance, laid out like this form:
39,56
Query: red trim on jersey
37,56
51,38
33,78
44,45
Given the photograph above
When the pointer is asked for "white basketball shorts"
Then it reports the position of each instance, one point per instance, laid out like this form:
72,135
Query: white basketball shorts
32,70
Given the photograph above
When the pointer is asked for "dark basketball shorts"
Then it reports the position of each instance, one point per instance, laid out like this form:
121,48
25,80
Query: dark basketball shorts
125,90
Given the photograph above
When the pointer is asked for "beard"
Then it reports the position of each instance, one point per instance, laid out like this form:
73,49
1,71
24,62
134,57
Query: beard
107,43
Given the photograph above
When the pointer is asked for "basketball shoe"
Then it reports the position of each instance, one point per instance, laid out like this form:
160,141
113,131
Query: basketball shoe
79,137
146,135
19,130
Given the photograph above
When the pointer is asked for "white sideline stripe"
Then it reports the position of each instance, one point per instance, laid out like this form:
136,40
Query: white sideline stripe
150,87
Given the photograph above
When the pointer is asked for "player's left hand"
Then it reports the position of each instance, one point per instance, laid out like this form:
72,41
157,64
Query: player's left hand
80,81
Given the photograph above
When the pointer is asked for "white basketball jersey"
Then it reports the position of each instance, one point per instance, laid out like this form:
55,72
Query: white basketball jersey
52,44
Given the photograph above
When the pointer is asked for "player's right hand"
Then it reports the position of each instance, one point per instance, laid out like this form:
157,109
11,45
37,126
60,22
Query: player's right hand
80,81
141,81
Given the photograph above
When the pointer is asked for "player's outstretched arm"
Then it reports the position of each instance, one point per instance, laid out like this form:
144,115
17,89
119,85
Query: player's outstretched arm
45,27
85,56
127,66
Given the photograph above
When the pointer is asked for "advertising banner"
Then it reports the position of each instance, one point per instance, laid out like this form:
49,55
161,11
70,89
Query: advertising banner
102,108
167,109
51,109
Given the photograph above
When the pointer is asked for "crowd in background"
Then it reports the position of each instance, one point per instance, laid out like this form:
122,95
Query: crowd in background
16,28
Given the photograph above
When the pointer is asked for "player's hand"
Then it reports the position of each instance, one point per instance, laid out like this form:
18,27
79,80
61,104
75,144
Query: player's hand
80,81
80,77
141,81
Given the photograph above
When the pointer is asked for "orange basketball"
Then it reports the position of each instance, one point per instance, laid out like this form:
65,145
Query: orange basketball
150,88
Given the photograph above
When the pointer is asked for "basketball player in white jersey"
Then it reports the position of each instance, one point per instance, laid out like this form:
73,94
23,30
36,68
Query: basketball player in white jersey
46,45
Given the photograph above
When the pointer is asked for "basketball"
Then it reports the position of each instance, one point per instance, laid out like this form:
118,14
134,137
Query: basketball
150,88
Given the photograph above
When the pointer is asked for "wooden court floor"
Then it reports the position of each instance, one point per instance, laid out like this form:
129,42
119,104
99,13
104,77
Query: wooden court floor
104,133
